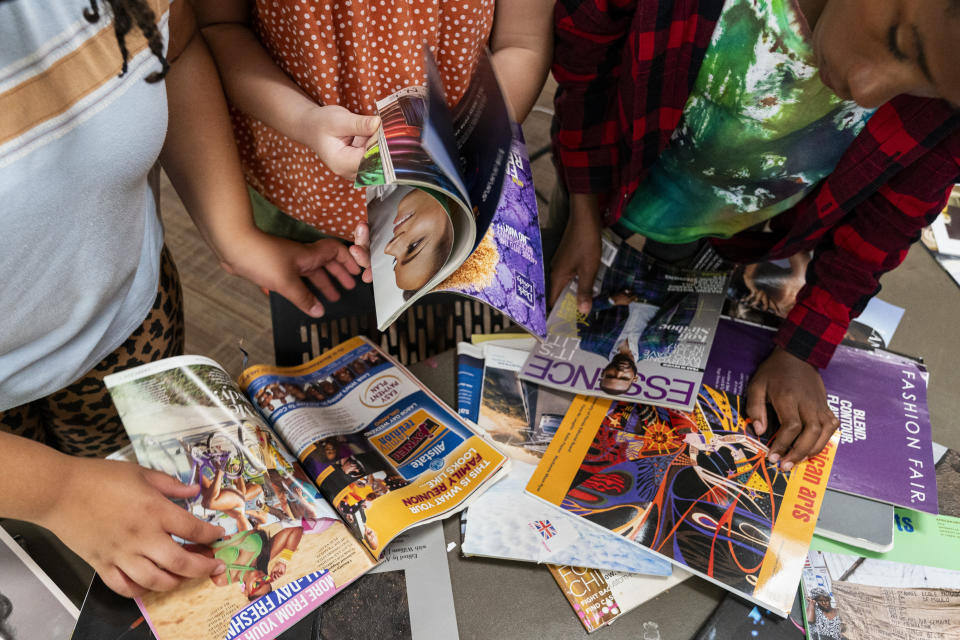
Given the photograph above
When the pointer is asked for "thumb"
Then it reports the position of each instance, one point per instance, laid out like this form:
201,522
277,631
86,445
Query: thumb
345,123
170,486
585,288
757,404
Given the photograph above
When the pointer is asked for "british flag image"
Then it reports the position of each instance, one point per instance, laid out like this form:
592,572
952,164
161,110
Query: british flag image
545,529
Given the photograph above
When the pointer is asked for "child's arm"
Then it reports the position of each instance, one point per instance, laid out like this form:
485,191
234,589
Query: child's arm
258,87
522,45
841,278
201,159
587,64
115,515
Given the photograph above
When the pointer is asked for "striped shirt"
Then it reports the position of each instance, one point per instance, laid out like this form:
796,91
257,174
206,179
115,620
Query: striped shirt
81,238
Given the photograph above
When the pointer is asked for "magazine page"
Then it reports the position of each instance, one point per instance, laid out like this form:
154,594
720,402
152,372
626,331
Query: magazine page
286,550
503,402
469,380
418,237
694,487
507,523
600,597
410,592
909,593
948,479
397,154
506,269
383,450
31,605
646,338
765,292
476,132
881,400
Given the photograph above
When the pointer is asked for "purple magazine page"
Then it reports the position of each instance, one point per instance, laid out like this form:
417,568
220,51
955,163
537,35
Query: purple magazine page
880,398
506,269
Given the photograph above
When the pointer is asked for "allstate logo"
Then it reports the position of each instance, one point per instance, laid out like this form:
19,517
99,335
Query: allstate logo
436,464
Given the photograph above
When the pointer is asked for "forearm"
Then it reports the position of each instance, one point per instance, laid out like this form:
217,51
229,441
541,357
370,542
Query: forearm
256,85
200,155
30,495
522,45
587,62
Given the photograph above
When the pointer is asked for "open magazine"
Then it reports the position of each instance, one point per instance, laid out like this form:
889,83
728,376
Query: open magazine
646,338
694,487
451,203
373,454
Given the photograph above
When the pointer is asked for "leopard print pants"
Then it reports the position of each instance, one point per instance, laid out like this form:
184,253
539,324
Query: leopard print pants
81,419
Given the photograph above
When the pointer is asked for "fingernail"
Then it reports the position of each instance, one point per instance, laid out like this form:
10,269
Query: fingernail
773,457
316,310
786,466
583,307
220,569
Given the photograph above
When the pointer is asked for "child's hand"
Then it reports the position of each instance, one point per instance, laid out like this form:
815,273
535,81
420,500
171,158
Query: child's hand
796,391
340,137
116,516
361,250
278,264
579,252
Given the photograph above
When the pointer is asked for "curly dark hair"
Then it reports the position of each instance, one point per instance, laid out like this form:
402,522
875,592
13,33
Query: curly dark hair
125,14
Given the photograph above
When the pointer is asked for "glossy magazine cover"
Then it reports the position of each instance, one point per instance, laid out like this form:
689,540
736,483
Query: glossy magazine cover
694,487
645,339
885,450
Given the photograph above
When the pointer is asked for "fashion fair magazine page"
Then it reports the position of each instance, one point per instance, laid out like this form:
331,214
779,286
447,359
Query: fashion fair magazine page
340,456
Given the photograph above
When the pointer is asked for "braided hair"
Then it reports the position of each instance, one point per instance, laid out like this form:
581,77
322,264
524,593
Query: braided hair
125,14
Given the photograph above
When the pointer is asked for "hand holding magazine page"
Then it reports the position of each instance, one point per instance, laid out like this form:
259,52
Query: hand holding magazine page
451,204
646,338
694,487
380,454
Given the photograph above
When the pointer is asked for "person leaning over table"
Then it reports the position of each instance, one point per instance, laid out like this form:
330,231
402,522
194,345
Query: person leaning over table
766,127
89,288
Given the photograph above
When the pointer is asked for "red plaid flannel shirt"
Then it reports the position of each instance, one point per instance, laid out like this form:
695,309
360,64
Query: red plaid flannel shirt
625,69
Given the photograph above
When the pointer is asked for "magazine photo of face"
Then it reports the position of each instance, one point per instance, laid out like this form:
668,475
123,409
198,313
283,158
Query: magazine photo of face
411,240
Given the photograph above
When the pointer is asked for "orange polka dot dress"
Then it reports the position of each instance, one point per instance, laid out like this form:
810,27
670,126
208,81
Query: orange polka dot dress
351,53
